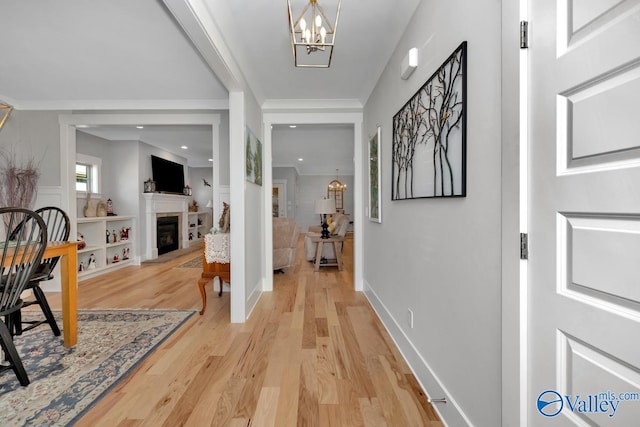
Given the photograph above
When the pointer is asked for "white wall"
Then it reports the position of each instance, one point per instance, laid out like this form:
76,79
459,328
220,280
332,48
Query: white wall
442,256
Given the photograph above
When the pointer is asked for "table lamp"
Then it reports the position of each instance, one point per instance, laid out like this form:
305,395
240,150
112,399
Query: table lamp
324,207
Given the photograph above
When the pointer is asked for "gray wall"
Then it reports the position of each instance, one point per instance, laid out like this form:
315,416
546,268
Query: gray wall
291,176
35,134
254,214
201,193
99,147
442,256
125,167
223,163
314,187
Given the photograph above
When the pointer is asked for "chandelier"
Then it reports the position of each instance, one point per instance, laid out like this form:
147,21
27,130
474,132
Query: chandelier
313,33
336,185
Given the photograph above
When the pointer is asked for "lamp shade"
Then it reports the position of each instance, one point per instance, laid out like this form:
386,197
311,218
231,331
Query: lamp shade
325,206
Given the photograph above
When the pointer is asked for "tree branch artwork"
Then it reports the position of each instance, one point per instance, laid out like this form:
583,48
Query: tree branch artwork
429,136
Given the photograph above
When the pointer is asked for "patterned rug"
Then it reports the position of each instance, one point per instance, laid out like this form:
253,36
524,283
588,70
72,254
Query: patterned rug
192,263
66,382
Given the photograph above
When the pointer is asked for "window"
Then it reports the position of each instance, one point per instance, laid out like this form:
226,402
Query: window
83,177
88,173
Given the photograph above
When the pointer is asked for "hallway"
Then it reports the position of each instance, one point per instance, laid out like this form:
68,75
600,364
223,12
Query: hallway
312,353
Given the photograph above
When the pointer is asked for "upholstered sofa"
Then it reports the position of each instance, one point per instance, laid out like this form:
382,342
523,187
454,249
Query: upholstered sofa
285,238
340,224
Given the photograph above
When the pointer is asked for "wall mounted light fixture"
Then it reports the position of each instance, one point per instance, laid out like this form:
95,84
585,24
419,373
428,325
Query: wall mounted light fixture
409,63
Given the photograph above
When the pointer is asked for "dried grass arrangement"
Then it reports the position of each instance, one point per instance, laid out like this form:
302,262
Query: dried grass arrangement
18,182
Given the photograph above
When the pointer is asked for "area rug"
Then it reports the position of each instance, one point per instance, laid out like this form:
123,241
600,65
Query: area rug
170,256
192,263
66,382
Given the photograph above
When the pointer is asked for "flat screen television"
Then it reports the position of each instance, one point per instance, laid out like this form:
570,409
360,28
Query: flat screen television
168,175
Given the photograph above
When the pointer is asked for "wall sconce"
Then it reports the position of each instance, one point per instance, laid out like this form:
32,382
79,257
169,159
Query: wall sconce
409,63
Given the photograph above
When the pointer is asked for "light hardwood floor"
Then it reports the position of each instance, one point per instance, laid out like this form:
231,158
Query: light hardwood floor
313,353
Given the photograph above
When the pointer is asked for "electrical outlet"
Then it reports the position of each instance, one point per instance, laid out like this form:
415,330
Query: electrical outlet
410,317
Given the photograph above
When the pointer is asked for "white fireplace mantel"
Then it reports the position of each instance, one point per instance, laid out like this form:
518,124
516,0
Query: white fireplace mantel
159,203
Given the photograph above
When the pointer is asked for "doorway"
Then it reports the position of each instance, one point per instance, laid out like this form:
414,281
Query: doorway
354,119
583,216
68,124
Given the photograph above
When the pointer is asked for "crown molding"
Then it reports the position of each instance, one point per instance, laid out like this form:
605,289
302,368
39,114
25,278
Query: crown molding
312,105
121,104
282,165
7,100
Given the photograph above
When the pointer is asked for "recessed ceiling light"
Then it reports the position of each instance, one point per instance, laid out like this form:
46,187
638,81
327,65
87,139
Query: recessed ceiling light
300,159
82,126
139,127
211,160
184,147
292,126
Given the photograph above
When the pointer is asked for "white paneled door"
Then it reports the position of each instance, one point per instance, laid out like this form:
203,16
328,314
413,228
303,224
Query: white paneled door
584,213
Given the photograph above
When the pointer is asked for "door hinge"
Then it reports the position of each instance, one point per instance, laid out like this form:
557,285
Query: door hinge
524,246
524,34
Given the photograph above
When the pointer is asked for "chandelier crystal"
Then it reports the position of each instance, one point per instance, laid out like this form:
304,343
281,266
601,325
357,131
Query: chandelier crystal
312,33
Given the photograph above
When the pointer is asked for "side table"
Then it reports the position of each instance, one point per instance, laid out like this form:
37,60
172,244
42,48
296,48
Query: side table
211,271
336,248
216,262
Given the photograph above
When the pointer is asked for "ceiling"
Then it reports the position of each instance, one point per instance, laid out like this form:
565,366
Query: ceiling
314,149
131,55
196,138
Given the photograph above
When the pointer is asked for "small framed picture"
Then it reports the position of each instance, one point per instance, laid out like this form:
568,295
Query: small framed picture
375,206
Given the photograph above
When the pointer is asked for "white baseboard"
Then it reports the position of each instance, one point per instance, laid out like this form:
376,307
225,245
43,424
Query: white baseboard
450,413
253,298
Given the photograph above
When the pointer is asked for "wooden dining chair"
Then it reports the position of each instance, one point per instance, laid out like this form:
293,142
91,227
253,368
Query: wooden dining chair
20,254
58,228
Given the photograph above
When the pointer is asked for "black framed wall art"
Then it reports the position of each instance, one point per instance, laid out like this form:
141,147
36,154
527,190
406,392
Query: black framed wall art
429,135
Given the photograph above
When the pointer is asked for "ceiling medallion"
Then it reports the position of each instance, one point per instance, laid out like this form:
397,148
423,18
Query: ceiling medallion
312,33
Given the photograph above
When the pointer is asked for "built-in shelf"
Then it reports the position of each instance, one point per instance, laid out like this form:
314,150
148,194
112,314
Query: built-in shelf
198,226
109,252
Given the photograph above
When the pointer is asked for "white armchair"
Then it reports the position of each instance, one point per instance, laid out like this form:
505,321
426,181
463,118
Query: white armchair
285,238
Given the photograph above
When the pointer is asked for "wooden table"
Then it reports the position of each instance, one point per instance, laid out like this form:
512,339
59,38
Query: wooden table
336,248
211,271
68,253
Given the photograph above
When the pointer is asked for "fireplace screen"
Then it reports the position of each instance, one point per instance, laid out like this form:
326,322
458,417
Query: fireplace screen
167,232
